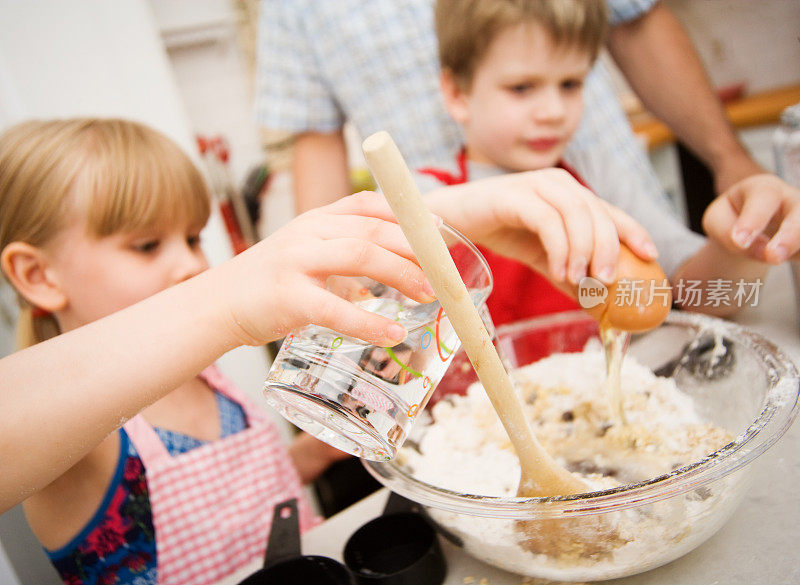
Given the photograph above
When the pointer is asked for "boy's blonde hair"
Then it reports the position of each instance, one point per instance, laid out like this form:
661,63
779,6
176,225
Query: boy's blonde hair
466,28
117,174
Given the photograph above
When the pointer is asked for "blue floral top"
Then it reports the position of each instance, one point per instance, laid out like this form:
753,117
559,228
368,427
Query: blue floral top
118,545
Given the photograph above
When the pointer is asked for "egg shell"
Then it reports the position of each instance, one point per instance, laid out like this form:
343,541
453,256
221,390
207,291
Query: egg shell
642,281
640,298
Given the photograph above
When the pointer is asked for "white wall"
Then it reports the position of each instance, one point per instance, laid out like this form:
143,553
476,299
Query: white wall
200,37
88,58
213,69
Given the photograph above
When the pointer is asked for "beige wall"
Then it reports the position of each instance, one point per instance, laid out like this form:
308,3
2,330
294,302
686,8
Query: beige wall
756,41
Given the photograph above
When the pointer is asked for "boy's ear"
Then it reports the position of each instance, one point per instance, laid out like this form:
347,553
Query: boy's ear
455,98
26,267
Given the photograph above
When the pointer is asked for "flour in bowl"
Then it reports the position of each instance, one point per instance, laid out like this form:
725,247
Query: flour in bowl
467,450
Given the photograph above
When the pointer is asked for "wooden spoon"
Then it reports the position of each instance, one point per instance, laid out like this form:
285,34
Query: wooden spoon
540,476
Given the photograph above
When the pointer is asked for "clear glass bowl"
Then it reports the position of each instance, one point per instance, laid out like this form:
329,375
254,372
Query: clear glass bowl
751,391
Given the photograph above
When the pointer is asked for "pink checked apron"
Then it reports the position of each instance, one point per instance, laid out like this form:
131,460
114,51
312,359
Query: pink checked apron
212,506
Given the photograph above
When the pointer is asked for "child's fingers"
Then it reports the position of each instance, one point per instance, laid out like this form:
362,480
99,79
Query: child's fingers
786,241
757,250
578,222
606,245
362,203
365,203
718,221
574,202
340,315
548,224
381,232
756,212
632,234
358,257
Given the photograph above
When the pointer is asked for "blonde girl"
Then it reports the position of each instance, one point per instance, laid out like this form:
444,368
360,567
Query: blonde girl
95,216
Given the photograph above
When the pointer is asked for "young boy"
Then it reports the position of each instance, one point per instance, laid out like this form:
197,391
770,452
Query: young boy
512,75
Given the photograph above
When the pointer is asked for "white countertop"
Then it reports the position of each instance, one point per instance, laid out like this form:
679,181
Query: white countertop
757,546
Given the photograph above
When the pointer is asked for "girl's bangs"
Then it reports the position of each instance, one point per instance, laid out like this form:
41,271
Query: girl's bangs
138,184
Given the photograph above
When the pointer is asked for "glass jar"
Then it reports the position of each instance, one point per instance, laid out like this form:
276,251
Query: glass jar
786,144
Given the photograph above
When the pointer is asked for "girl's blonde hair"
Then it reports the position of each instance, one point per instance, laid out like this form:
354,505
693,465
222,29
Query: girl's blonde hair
466,28
117,174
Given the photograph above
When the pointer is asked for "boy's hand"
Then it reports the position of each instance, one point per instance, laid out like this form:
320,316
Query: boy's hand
758,217
279,284
547,220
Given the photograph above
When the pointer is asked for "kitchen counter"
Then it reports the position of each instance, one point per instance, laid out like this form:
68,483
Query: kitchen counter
743,112
757,546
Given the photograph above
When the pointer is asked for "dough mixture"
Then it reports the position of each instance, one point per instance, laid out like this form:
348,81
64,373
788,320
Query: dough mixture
467,450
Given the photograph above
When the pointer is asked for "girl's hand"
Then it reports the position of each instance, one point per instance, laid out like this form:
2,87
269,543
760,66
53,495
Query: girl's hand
547,220
279,284
758,217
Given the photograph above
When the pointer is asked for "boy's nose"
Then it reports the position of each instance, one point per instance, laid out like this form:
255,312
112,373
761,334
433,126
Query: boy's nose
550,106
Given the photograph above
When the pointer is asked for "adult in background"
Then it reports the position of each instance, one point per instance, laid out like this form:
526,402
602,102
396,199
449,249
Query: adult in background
375,64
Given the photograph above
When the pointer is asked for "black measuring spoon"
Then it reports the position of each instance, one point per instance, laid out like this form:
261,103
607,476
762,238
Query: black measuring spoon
284,564
397,548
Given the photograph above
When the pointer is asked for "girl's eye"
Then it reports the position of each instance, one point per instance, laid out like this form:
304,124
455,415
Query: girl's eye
193,241
572,84
147,247
520,88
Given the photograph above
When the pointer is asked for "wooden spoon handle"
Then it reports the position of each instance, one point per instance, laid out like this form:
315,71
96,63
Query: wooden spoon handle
399,188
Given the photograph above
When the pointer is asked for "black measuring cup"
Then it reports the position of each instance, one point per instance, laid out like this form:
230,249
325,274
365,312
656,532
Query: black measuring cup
397,548
284,564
